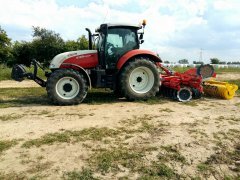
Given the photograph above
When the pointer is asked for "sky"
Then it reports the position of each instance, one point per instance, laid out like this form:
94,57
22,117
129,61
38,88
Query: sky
176,29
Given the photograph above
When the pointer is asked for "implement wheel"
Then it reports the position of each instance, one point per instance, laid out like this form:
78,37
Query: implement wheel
184,94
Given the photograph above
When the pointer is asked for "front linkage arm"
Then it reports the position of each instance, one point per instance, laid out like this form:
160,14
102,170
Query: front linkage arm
19,73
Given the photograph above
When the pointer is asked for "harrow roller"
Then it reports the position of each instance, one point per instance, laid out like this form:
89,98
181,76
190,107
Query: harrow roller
223,90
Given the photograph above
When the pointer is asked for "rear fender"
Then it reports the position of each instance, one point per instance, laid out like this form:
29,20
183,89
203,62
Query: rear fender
137,53
80,69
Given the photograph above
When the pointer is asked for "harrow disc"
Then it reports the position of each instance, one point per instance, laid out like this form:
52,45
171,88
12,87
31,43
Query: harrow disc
196,94
168,92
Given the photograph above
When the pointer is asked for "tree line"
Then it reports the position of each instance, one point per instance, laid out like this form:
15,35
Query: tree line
45,45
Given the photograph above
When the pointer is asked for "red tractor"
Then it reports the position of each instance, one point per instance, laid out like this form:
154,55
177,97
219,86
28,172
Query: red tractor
116,63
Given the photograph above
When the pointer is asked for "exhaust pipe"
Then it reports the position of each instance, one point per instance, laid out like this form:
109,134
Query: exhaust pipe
89,39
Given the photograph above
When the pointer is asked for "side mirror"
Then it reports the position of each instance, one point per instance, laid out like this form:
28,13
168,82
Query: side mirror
141,41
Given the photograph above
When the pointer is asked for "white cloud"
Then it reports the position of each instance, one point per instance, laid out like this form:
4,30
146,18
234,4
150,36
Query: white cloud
115,3
168,21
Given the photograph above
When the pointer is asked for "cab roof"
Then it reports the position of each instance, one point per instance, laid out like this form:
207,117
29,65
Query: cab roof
109,25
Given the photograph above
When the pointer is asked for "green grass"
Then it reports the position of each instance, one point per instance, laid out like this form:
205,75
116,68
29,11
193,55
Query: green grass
38,167
76,114
12,93
10,117
172,154
203,168
5,145
157,170
168,110
12,176
14,97
95,134
192,103
49,139
84,174
143,124
226,156
217,70
226,70
5,72
108,160
227,153
181,69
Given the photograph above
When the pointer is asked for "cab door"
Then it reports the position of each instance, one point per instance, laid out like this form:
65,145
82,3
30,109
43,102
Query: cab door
119,41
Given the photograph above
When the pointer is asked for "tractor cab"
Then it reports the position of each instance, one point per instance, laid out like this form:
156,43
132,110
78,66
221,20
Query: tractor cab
113,41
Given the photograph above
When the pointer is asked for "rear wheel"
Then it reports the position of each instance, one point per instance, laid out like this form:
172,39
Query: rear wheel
66,87
139,80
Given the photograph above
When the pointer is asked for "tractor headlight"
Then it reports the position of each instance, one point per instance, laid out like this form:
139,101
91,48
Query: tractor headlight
52,66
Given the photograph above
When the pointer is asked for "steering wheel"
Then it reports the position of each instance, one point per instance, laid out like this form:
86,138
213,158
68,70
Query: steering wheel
110,48
109,45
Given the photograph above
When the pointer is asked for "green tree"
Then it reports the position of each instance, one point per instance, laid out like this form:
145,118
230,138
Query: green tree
166,62
23,53
5,46
83,42
71,45
222,62
183,61
46,44
80,44
215,61
198,62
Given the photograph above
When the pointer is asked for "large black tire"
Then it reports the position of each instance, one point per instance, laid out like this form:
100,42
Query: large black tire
139,80
66,87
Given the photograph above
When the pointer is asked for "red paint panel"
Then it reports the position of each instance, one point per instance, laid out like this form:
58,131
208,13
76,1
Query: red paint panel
135,52
85,60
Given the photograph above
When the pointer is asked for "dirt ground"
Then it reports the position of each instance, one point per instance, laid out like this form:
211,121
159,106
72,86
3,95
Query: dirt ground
196,131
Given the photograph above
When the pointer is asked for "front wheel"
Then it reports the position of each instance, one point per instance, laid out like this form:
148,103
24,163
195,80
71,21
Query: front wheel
66,87
139,80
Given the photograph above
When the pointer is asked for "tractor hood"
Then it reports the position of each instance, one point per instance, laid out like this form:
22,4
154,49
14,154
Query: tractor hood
59,59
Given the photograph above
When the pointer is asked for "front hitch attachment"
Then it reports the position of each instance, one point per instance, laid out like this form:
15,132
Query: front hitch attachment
19,73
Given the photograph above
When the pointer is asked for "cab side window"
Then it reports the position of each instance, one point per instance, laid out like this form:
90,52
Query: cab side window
118,42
